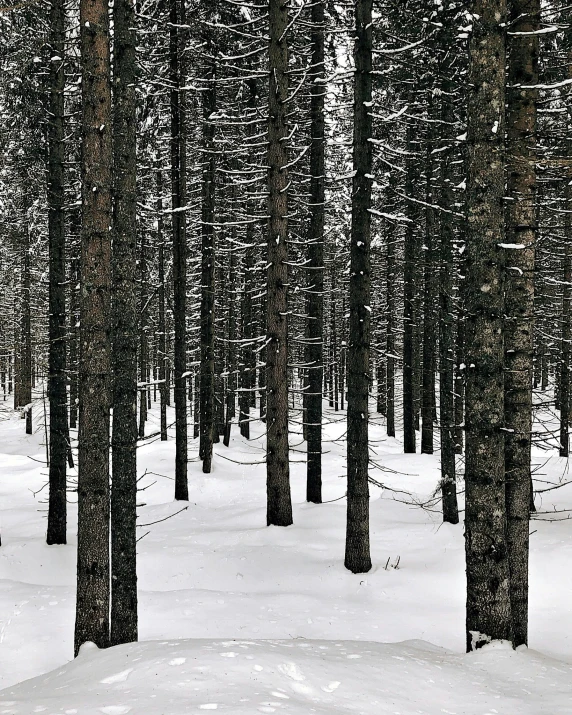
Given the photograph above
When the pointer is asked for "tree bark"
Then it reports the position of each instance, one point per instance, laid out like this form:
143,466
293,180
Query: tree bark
429,333
162,347
57,390
178,202
357,556
208,261
488,615
314,350
125,325
92,606
279,505
519,299
409,318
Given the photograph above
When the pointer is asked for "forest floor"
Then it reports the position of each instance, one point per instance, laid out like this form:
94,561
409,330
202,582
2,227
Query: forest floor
243,618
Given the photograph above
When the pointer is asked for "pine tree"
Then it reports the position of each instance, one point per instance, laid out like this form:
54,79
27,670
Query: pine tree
357,557
92,605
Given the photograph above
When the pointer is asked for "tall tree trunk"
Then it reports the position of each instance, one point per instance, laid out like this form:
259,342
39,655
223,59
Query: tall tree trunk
314,351
57,390
92,607
178,202
429,335
143,336
409,317
162,347
74,342
488,597
279,505
391,325
357,556
230,410
125,325
446,273
25,362
207,396
519,299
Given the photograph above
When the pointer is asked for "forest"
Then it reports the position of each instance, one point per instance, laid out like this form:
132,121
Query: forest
285,356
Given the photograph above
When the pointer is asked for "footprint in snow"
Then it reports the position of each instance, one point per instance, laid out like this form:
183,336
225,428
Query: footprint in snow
330,687
115,709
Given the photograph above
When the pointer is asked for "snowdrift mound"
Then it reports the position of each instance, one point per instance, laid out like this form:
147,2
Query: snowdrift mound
297,677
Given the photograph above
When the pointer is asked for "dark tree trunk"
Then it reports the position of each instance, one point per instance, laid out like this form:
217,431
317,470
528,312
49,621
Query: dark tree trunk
279,505
357,556
519,299
74,342
230,407
125,325
207,396
315,327
92,610
446,273
143,336
178,202
488,596
391,325
24,373
57,390
162,346
409,318
429,333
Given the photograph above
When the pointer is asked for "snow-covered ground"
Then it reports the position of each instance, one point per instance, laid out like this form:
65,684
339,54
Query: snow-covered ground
243,618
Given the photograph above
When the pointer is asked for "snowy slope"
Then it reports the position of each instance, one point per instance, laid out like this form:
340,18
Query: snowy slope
297,677
215,571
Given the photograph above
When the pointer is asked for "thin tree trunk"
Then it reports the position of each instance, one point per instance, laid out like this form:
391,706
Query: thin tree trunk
488,615
279,505
409,303
519,300
162,347
207,396
125,325
446,310
357,556
429,333
391,324
57,390
315,326
178,202
25,378
143,337
93,582
74,342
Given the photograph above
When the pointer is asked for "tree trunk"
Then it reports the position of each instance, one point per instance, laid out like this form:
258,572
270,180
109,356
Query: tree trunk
125,325
488,597
74,342
429,333
57,390
162,347
143,336
409,317
519,299
315,327
357,556
279,505
178,202
92,611
391,325
207,396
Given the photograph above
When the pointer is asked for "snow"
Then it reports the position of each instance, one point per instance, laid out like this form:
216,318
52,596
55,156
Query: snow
242,618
